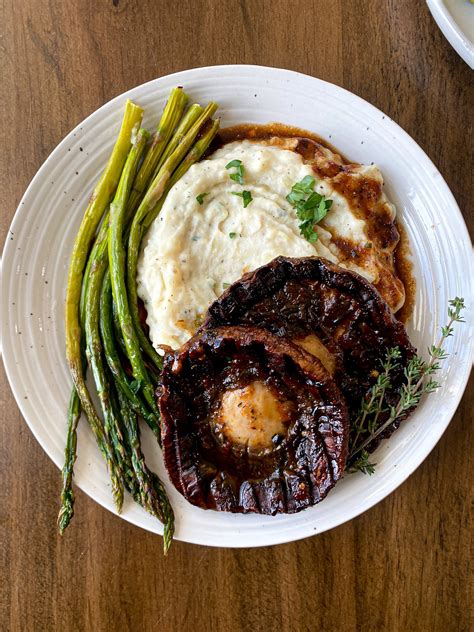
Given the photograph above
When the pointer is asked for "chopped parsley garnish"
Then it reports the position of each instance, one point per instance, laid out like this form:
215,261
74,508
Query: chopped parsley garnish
300,190
245,195
238,175
232,235
311,207
225,285
200,197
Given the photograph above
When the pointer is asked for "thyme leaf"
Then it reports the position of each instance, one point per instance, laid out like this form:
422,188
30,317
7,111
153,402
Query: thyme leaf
363,464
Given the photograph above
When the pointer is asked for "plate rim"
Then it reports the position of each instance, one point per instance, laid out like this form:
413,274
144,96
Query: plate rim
305,530
451,31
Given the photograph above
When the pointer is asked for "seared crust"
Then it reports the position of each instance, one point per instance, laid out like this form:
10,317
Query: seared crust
296,297
301,467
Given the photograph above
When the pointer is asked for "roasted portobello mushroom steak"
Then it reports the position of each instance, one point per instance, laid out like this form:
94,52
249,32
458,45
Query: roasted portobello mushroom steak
250,422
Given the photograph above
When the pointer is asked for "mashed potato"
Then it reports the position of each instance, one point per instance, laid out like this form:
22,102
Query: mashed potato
193,251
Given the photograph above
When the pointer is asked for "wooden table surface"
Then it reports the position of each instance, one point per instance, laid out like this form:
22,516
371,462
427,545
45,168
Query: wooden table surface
404,565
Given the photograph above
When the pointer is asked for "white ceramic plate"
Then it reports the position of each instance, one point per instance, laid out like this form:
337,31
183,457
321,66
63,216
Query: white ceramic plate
39,245
455,18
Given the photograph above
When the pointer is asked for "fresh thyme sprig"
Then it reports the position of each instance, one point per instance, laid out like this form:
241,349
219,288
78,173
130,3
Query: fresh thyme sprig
372,407
410,393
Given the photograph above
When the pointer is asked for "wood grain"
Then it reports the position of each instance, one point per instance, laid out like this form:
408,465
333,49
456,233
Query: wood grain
402,566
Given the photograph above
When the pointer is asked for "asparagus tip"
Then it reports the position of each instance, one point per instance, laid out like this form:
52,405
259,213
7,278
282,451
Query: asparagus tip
168,532
117,493
66,512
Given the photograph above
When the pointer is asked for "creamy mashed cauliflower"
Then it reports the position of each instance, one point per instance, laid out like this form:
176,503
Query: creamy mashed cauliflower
193,251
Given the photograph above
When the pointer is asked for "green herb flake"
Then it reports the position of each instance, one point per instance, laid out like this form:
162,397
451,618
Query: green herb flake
311,207
200,197
225,285
245,195
238,174
232,235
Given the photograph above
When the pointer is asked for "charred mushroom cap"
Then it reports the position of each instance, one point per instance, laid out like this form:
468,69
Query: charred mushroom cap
330,311
283,452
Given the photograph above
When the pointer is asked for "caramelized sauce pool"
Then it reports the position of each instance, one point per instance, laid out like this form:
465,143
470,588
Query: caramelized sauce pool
404,268
252,131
